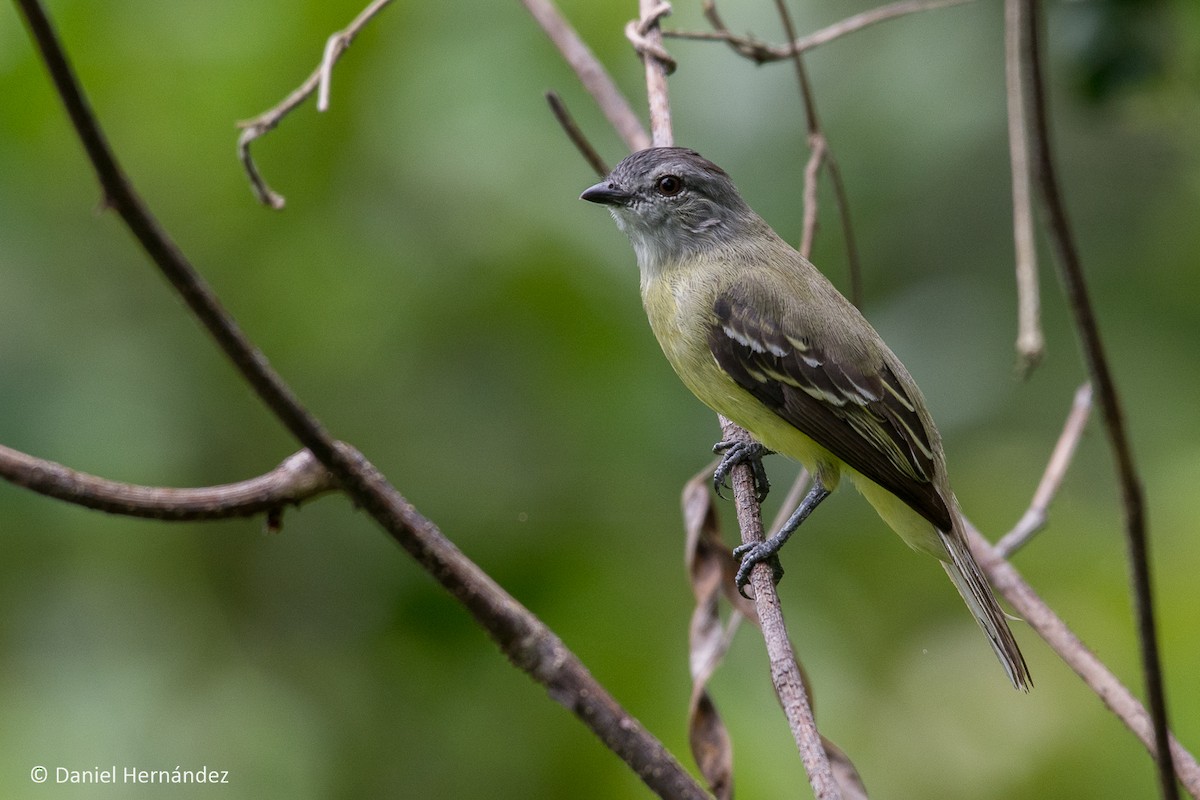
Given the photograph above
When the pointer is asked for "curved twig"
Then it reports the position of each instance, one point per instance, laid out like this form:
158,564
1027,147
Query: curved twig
298,478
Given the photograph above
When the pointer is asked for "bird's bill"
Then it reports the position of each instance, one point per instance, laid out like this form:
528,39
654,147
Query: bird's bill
605,193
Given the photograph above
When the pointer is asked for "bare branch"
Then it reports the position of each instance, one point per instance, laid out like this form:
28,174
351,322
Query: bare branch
1056,469
320,79
762,52
1031,343
576,135
1075,285
300,477
591,73
523,638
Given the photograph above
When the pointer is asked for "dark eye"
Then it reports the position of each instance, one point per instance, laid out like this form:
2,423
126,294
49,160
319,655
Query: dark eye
669,185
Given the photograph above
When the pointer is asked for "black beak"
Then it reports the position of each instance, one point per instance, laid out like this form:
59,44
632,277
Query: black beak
605,193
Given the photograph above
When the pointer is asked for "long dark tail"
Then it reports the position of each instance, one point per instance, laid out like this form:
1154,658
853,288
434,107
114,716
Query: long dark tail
973,587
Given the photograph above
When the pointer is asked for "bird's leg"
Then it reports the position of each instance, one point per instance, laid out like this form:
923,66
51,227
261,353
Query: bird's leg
738,452
758,552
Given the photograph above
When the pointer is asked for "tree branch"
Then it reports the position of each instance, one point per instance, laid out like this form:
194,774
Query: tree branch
1075,285
298,478
320,79
527,642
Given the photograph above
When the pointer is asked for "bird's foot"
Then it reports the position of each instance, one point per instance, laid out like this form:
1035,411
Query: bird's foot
738,452
757,553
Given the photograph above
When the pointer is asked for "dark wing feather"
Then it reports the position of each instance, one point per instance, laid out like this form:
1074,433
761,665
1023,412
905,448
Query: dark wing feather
865,418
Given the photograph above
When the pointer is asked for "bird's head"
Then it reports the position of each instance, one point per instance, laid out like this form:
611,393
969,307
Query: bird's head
672,203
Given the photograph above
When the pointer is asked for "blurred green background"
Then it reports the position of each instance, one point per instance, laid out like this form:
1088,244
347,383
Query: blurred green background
440,299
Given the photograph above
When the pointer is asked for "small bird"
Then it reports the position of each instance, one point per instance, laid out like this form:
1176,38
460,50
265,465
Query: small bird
762,337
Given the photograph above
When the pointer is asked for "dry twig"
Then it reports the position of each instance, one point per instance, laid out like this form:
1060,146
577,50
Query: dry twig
335,45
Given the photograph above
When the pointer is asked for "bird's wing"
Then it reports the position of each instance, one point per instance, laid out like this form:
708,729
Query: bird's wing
861,414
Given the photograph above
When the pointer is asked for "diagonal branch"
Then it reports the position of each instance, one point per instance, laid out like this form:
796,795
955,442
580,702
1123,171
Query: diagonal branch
298,478
1070,270
523,638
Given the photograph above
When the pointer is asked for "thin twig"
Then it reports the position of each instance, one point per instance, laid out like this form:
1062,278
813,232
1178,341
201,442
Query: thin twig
264,123
524,639
571,128
299,477
591,73
1075,286
761,52
1056,469
1031,343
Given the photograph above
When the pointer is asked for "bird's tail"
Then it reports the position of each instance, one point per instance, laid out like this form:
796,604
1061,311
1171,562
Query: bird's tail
973,587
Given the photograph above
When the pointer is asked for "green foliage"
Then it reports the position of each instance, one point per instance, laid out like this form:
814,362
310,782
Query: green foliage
436,294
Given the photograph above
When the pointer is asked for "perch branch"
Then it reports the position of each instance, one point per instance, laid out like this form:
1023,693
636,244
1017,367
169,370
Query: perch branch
1070,270
318,81
523,638
785,670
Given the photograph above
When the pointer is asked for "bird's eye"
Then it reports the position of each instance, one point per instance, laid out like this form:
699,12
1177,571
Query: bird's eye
669,185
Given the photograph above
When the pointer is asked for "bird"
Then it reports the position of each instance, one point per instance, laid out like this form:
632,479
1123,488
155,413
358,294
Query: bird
759,335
